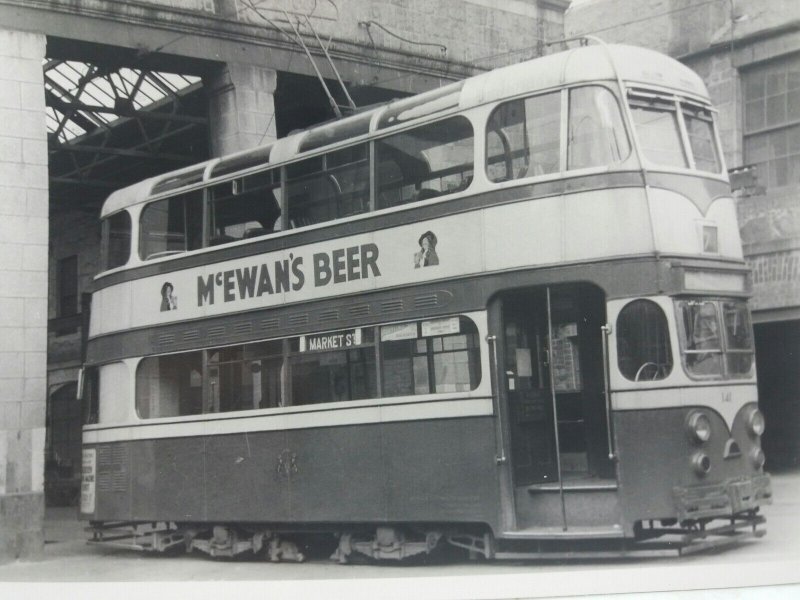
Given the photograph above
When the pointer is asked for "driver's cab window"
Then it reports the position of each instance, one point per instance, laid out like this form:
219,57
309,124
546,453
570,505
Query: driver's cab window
643,346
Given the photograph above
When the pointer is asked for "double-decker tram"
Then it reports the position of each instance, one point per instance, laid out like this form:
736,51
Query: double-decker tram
508,315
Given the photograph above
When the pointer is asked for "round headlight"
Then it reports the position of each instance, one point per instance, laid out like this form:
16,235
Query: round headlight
701,463
755,422
758,457
699,426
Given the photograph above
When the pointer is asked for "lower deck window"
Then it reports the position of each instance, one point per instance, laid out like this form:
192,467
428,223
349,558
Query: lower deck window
430,357
169,386
333,376
643,347
424,357
245,377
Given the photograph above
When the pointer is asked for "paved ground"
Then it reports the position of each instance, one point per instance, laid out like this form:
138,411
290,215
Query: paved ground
774,559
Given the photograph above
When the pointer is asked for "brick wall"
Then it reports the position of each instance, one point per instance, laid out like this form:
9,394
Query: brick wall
23,293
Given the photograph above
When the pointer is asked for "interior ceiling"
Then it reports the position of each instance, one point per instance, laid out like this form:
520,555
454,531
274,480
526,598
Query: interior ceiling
114,119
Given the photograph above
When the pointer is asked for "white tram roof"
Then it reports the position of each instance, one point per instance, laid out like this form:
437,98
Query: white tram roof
634,65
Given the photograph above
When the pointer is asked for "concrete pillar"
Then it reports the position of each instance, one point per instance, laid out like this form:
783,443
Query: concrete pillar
241,107
23,293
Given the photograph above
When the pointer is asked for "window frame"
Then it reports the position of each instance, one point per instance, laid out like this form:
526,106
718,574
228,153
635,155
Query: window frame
420,196
670,364
724,350
677,104
68,286
197,196
371,346
107,236
563,169
773,150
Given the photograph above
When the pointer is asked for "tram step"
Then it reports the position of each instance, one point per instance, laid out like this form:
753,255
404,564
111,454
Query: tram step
569,487
558,533
596,507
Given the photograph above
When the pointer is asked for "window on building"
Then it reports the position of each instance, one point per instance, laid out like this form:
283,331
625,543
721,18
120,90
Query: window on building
172,226
643,347
424,162
772,121
115,248
67,276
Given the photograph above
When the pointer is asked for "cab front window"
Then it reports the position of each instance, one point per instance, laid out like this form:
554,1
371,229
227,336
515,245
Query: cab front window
716,338
675,132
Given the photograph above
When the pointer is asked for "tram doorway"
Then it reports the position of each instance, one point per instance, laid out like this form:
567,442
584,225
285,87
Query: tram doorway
554,386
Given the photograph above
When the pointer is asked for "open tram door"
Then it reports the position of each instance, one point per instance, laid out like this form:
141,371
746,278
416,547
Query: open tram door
552,379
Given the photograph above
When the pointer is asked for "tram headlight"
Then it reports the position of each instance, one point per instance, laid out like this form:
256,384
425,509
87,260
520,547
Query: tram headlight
701,463
755,422
758,458
699,427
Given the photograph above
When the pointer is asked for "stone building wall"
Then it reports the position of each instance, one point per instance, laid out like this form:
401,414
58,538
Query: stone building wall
23,293
480,32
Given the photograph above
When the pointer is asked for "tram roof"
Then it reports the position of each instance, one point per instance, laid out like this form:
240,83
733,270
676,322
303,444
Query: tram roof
634,65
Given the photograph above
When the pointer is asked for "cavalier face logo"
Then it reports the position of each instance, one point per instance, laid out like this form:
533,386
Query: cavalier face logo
426,257
169,301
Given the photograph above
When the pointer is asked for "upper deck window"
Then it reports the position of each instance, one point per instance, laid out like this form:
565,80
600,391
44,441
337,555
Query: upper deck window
328,187
700,129
717,338
115,247
675,133
172,225
596,133
244,208
424,162
524,137
659,133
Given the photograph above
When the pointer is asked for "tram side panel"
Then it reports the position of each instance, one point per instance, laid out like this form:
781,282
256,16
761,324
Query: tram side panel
440,470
